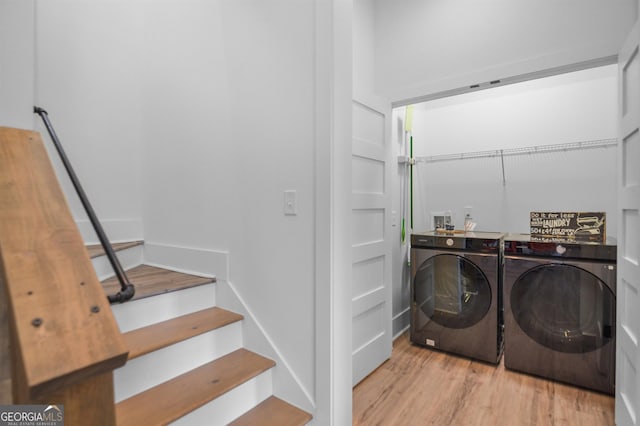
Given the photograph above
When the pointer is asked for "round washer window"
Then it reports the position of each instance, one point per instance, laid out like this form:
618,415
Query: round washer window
564,308
452,291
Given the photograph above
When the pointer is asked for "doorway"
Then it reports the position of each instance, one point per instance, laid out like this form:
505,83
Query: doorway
557,135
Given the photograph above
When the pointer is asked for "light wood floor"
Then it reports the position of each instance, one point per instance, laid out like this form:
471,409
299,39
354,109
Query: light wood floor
418,386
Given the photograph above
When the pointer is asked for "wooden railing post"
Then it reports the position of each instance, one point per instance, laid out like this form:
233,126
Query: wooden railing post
64,341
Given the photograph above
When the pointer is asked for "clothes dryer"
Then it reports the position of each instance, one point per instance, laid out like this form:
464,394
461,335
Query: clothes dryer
560,309
456,296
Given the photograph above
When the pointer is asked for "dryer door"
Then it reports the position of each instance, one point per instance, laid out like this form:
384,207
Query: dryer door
451,291
564,307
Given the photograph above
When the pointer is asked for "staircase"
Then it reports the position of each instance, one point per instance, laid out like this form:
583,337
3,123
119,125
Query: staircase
174,356
186,363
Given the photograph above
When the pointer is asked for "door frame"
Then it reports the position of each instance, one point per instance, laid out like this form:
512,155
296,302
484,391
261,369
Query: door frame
627,398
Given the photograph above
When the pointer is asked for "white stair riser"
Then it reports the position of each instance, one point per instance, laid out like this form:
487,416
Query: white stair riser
164,364
128,258
232,404
140,313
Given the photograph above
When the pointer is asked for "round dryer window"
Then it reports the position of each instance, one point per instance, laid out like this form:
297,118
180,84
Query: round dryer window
452,291
564,308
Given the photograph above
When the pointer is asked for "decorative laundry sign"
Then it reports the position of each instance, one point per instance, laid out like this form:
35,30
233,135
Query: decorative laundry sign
570,225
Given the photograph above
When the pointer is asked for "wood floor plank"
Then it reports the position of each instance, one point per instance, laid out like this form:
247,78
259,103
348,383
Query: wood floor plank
151,281
96,250
273,412
173,399
163,334
418,386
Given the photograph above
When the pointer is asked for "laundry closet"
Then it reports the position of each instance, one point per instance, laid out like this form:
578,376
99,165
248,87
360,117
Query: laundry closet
496,155
515,109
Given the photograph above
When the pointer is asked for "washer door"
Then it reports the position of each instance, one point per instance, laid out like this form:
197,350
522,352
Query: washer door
564,308
451,291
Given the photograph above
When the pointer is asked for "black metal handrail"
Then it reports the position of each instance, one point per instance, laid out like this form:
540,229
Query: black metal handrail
127,289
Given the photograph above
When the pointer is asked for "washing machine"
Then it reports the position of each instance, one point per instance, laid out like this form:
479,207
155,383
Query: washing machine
560,309
456,297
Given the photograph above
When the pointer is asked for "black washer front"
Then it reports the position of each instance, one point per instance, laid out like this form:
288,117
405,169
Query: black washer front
456,297
452,291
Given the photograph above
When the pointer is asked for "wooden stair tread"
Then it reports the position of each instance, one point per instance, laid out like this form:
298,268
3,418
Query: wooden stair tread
162,334
96,250
151,281
173,399
273,412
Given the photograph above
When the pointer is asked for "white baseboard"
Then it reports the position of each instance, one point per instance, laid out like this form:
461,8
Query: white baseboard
400,323
286,384
128,258
211,263
117,230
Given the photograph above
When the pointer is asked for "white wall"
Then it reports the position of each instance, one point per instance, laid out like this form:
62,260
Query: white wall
567,108
87,76
17,63
401,291
564,108
424,47
364,47
80,62
229,126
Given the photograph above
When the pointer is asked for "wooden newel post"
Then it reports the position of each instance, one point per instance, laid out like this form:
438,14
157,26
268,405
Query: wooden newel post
64,342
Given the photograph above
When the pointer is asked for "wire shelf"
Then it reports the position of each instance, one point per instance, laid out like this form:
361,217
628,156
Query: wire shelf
539,149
